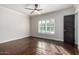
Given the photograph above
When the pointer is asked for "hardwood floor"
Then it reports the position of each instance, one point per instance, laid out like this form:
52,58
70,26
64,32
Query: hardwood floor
36,46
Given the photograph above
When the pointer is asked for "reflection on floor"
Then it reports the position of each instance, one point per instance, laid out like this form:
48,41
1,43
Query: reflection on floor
36,46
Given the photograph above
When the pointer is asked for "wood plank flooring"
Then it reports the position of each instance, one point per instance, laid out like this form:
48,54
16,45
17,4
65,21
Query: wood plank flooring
36,46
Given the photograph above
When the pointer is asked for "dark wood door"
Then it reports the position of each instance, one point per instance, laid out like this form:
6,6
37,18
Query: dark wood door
69,29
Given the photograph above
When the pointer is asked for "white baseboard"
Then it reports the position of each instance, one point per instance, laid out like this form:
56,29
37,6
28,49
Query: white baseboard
13,39
49,38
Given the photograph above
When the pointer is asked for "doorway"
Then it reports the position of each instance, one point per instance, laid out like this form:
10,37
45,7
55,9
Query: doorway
69,29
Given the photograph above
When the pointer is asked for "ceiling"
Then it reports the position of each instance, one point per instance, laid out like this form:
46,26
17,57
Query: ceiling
46,7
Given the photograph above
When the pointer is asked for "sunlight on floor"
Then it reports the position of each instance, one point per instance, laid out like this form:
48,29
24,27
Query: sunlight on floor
42,49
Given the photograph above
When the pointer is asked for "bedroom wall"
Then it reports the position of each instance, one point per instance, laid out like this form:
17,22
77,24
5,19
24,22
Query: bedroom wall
13,25
77,18
76,28
58,16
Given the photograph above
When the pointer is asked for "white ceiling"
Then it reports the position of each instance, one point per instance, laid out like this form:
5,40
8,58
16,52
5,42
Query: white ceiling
46,7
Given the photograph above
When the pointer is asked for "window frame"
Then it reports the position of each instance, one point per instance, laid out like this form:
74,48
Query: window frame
46,32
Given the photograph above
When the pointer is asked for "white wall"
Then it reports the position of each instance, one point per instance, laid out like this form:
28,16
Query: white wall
77,17
76,28
58,16
13,25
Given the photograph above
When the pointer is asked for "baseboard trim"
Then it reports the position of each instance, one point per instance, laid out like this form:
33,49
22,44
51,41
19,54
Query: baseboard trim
45,38
14,39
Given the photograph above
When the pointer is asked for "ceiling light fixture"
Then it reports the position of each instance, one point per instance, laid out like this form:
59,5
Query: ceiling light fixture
35,9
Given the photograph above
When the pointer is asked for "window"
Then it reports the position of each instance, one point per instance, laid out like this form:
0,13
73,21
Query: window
46,26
